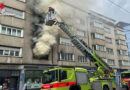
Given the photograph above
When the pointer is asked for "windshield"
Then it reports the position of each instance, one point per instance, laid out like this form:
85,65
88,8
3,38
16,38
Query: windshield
49,77
125,75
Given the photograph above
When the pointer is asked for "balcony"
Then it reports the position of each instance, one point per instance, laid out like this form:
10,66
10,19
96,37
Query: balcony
98,42
124,63
121,57
121,37
122,47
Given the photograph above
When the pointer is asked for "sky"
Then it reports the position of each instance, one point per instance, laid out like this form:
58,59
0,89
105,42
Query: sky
107,8
118,10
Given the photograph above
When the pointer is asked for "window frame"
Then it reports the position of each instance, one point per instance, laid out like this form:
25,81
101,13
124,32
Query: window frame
11,12
12,28
82,59
82,33
9,49
98,48
65,56
22,1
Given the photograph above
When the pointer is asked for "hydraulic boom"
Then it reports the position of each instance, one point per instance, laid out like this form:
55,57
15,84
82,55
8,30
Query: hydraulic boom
103,68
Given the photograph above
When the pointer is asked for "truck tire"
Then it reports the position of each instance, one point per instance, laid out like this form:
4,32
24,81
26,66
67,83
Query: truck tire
114,88
105,87
75,87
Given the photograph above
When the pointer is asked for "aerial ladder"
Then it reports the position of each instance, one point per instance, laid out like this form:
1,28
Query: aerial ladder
104,71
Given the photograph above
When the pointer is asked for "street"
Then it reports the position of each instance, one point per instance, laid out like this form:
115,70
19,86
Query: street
119,88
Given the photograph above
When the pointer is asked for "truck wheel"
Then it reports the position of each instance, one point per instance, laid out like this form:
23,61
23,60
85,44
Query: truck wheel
105,87
114,88
75,87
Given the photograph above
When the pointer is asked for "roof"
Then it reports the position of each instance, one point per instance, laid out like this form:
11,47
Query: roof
122,24
93,12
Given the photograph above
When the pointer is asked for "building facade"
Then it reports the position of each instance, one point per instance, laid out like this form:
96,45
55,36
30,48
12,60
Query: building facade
17,62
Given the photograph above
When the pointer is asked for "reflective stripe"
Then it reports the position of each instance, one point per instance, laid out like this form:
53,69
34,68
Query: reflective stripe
57,85
126,80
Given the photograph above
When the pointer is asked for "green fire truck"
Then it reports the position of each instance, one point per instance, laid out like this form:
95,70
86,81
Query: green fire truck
64,78
125,78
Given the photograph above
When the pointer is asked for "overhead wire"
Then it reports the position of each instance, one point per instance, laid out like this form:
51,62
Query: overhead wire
119,6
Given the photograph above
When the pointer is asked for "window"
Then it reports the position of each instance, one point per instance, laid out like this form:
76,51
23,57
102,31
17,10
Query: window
109,51
124,62
98,36
119,32
16,53
108,40
12,31
8,31
81,33
107,30
19,33
34,78
22,0
63,74
6,52
122,52
65,41
82,59
110,62
1,52
66,56
14,12
10,51
104,59
120,42
3,31
98,24
99,47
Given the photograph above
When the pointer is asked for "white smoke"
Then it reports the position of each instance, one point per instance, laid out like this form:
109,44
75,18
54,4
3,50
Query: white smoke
45,42
44,36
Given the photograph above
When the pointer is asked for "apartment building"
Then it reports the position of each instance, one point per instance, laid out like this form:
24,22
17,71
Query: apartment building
17,61
109,41
103,38
122,48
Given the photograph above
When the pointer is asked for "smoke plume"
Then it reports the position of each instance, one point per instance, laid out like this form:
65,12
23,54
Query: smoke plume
44,37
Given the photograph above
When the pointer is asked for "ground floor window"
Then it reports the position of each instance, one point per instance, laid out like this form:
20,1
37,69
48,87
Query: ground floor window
33,79
9,80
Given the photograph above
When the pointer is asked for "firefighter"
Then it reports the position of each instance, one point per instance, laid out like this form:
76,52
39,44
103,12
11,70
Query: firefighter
50,17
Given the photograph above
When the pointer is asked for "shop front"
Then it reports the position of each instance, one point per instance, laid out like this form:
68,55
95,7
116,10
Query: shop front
9,79
33,79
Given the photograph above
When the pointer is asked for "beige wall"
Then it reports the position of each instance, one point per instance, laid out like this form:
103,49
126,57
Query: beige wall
26,42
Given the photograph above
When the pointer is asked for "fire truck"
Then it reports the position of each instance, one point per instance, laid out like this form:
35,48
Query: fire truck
125,78
65,78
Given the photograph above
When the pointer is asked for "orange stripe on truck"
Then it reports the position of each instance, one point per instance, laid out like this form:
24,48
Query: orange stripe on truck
57,85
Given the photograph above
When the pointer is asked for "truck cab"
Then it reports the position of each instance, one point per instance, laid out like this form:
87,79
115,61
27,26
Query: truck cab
66,79
125,78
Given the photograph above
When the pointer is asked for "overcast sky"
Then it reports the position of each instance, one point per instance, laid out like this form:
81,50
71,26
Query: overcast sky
107,8
118,10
